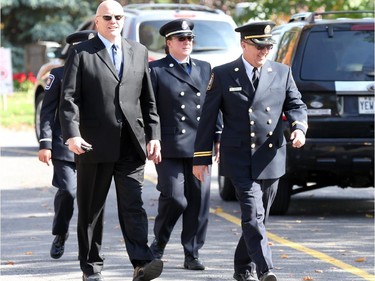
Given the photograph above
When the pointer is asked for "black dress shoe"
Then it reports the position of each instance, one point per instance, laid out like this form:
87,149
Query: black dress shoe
157,249
268,276
193,263
148,271
58,246
93,277
247,276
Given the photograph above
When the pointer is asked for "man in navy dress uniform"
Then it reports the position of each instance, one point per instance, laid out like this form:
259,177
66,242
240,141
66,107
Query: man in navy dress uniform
180,84
252,93
51,146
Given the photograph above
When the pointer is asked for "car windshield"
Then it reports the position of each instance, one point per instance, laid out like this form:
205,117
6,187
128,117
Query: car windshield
346,55
210,36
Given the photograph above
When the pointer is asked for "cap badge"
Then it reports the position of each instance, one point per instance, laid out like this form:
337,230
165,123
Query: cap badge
267,29
184,25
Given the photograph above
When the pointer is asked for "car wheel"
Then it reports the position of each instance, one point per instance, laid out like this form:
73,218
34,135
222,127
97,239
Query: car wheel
281,203
38,108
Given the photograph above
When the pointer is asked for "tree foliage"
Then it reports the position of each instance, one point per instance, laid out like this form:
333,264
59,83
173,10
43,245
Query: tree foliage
28,21
281,10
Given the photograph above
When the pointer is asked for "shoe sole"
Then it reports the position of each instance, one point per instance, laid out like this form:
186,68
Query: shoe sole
150,271
269,278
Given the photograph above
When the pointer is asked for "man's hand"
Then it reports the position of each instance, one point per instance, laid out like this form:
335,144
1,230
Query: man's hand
200,171
217,152
154,151
75,144
298,138
45,155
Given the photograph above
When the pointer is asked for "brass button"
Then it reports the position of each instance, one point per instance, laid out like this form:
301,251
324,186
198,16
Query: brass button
252,122
269,121
270,145
253,145
183,131
252,134
268,109
183,106
183,118
182,94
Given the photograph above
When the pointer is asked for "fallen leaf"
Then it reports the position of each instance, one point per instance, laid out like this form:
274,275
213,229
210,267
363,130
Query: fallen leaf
284,256
10,263
307,278
318,271
29,253
360,259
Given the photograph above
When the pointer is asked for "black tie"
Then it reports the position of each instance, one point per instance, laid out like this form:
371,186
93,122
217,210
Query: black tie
185,66
255,78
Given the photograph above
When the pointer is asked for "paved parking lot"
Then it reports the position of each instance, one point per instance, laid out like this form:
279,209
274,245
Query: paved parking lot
326,235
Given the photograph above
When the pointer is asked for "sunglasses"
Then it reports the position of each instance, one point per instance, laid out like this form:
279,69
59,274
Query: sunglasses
108,18
182,39
261,47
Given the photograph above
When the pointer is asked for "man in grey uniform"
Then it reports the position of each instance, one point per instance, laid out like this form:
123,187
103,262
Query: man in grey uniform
252,93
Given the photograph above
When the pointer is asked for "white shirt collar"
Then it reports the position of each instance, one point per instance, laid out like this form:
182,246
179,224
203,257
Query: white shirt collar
249,68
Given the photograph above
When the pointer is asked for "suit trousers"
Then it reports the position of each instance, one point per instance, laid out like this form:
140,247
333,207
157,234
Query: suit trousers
65,179
181,193
94,180
255,198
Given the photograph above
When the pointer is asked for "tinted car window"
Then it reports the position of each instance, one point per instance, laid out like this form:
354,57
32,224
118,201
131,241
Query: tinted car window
286,49
210,36
343,56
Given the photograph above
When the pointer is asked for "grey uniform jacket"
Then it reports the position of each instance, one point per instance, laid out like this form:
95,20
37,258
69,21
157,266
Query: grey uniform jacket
252,142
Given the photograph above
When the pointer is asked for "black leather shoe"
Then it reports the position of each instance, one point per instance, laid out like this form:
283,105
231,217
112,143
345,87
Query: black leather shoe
58,246
247,276
157,249
93,277
268,276
193,263
148,271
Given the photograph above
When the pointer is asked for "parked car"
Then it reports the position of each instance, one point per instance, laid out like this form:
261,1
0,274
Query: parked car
332,62
215,41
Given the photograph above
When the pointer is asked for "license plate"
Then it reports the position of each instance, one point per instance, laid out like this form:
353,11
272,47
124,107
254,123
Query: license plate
366,105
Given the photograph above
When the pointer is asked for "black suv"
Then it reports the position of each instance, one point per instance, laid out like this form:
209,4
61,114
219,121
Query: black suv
332,61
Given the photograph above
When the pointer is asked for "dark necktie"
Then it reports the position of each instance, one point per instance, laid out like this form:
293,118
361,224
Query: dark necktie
185,66
255,78
116,59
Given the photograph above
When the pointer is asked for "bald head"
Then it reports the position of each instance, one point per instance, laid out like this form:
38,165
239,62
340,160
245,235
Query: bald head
109,19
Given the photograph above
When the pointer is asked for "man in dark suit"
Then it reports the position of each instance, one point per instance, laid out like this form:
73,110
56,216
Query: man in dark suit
180,84
252,93
109,120
51,146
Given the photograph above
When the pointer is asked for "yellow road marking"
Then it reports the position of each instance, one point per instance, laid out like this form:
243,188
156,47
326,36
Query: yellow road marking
316,254
347,267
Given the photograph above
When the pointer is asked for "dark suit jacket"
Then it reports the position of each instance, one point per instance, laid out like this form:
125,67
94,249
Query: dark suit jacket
252,143
96,103
179,98
50,129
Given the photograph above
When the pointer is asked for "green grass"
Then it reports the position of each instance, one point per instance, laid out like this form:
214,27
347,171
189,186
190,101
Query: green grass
17,111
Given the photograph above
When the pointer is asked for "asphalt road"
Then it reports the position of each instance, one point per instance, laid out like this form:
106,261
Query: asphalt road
327,234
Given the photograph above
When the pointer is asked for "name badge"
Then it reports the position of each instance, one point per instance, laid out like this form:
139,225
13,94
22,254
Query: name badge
235,89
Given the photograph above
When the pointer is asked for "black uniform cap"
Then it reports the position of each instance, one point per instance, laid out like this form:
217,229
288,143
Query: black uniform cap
258,32
179,28
80,36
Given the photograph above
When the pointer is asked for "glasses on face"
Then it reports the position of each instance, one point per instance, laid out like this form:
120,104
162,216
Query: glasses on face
183,38
108,17
261,47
